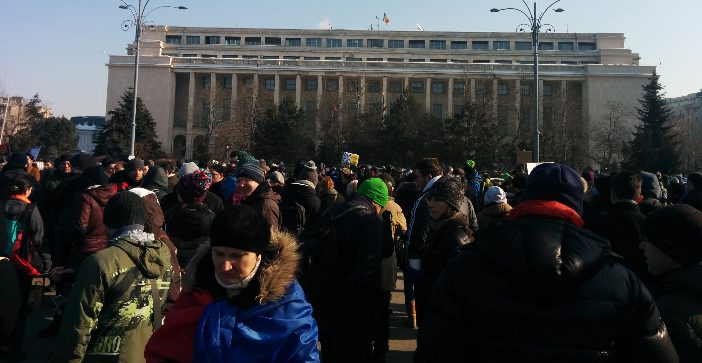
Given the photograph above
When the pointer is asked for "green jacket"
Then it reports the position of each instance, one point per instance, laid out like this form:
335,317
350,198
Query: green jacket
109,312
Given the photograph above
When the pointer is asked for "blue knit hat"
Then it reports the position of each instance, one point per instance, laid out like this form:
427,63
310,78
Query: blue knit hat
556,182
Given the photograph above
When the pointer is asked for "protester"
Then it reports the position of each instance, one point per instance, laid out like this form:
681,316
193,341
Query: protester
474,191
218,172
693,194
253,190
156,180
651,193
495,209
240,300
328,196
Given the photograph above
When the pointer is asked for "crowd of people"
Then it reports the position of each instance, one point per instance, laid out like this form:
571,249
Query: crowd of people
240,260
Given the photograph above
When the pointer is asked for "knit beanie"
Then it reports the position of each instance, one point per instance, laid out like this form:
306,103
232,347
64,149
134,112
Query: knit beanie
134,164
556,182
450,190
194,186
251,170
240,227
94,175
677,231
309,172
124,209
376,190
187,168
495,195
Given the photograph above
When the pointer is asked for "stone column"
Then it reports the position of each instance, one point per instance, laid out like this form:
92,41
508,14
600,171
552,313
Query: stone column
427,96
450,97
276,92
517,102
385,94
234,97
191,112
341,92
472,90
406,85
494,96
255,87
363,93
298,90
317,119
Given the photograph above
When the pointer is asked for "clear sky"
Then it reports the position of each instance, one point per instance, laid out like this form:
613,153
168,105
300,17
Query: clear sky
59,48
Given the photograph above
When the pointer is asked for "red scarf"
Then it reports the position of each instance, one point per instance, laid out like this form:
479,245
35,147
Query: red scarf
546,208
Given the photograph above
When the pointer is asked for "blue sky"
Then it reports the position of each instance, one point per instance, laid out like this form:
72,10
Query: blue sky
59,48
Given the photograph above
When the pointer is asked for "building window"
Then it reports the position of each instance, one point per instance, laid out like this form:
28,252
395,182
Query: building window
437,87
332,85
333,43
417,43
522,45
249,56
480,90
417,60
374,107
332,58
398,60
252,41
438,60
569,62
212,39
374,87
416,87
232,40
227,82
353,59
395,87
269,84
437,110
481,45
548,90
352,85
174,39
503,61
208,56
171,54
290,84
273,41
525,90
481,61
547,62
291,57
546,46
313,42
354,43
293,42
312,58
460,61
568,46
396,43
437,44
192,39
230,56
206,82
459,44
189,55
459,88
500,45
271,57
374,59
311,84
587,46
375,43
502,89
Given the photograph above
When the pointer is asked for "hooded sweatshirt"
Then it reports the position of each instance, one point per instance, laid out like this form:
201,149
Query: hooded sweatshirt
110,309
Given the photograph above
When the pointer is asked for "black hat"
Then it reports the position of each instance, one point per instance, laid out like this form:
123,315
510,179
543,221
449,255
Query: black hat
124,209
134,164
519,180
17,161
308,171
82,161
556,182
240,227
677,231
94,175
449,189
106,161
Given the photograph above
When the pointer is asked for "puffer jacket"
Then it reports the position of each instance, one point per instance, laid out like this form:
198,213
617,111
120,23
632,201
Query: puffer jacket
109,312
269,321
88,233
679,297
541,289
156,180
266,202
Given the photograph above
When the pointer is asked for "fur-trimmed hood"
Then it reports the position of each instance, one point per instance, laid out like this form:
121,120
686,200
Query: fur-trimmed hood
277,270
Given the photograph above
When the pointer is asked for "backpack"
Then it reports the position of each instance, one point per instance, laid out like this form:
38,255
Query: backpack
23,253
293,217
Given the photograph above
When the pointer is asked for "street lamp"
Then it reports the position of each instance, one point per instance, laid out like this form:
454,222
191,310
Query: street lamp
138,21
535,24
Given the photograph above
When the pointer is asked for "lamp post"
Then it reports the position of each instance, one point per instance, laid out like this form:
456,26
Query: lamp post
535,24
138,21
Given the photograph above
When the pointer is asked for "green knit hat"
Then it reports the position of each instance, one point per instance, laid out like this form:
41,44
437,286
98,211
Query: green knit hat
376,190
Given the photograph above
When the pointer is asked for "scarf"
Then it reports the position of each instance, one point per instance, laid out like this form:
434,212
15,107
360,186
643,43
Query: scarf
546,208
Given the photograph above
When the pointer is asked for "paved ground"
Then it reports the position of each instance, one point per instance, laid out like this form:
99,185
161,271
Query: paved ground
402,344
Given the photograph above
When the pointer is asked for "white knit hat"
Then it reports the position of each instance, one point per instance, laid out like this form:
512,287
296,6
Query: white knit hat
495,195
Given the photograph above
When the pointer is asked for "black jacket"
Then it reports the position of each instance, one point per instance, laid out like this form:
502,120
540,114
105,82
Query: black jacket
212,202
306,196
541,290
693,198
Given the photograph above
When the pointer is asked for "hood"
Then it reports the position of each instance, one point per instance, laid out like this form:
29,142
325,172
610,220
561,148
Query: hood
458,220
650,187
102,193
277,271
496,209
685,282
298,191
150,256
542,256
264,191
156,178
14,207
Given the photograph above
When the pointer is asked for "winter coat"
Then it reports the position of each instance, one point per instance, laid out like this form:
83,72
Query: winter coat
418,227
88,234
269,321
303,192
541,289
266,202
474,191
6,178
188,227
13,209
469,213
623,226
211,201
678,295
156,180
11,299
110,308
388,266
493,214
329,198
693,198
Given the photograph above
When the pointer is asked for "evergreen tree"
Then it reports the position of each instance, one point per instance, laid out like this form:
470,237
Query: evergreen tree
473,134
653,147
31,119
400,131
280,134
114,138
56,135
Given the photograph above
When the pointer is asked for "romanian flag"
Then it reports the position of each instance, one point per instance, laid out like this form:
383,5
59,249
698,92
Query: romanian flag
386,20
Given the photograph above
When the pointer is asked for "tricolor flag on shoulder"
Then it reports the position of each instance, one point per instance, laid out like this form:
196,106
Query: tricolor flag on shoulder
386,20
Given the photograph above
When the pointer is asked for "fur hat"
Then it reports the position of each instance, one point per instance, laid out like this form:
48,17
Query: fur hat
556,182
495,195
677,231
124,209
194,186
251,170
240,227
376,190
450,190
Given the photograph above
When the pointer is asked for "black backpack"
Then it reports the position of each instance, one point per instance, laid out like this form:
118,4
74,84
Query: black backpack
293,218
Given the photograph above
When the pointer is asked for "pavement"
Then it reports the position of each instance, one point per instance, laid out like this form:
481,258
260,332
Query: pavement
403,340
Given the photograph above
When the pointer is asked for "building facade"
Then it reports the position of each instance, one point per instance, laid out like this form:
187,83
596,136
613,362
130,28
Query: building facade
686,114
187,73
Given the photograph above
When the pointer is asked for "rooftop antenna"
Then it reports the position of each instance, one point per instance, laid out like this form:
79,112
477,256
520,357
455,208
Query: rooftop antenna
419,27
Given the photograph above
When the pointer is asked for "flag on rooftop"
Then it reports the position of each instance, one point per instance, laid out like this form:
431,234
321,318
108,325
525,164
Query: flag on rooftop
386,20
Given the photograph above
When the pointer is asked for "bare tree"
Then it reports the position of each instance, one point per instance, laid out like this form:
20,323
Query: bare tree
608,136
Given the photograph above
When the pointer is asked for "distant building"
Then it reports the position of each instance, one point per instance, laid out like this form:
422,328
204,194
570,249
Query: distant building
86,128
687,118
184,69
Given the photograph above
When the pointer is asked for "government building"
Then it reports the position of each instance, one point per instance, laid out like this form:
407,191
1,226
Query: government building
187,74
